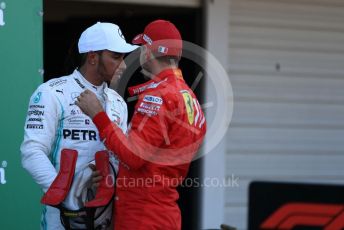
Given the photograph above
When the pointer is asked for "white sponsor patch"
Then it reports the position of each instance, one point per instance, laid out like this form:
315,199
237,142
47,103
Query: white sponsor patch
147,39
153,99
154,85
147,112
150,106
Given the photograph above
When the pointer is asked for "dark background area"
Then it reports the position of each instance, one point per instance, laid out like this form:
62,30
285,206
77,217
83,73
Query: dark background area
65,21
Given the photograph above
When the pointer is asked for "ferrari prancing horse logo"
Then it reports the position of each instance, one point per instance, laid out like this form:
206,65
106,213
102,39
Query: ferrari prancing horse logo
189,106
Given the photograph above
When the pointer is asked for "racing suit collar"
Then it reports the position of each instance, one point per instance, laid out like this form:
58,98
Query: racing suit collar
166,75
96,89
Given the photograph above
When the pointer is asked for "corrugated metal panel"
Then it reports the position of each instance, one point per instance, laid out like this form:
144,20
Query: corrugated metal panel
287,73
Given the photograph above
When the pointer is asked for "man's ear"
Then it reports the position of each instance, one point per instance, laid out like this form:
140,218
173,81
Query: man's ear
92,58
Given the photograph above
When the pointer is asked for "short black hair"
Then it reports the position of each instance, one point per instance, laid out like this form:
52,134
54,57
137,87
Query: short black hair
83,57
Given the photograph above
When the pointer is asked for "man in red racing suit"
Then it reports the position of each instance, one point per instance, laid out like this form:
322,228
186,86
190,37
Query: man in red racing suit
166,131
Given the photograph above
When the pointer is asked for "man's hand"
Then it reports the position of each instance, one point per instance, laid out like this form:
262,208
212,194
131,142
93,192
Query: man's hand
89,103
96,177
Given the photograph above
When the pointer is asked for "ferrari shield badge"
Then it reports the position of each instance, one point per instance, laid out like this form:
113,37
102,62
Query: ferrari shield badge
189,106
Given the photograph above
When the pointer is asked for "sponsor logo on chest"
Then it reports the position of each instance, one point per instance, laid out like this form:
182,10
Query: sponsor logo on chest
153,99
78,134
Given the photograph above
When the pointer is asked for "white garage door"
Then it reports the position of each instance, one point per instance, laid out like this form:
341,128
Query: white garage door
287,72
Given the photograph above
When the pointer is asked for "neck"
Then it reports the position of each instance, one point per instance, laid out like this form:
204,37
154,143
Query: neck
158,68
90,75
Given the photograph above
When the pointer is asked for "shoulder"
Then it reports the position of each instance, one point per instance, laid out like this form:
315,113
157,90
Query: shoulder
54,84
161,94
114,96
57,82
112,93
49,91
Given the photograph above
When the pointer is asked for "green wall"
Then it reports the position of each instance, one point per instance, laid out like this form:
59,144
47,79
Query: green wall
21,57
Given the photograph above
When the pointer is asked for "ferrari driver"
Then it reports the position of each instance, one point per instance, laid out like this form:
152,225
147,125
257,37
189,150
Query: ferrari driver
167,129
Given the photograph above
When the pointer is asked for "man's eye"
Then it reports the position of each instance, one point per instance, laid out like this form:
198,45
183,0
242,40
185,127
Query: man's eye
118,56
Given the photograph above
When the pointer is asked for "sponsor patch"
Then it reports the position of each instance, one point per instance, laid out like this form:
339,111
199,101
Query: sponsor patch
76,120
36,106
148,109
150,106
37,98
154,85
138,90
74,112
153,99
74,95
59,91
189,106
147,112
162,49
34,126
35,119
35,112
147,39
57,82
76,134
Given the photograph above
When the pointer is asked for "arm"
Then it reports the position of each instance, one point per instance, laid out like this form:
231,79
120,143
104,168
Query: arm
40,134
141,143
147,133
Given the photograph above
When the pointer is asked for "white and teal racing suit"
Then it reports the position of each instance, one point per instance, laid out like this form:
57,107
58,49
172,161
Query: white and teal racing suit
54,122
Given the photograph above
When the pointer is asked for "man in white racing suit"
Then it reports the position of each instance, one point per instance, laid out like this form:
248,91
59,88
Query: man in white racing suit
53,120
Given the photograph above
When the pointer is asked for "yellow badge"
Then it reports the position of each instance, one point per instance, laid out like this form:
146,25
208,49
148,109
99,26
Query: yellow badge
189,106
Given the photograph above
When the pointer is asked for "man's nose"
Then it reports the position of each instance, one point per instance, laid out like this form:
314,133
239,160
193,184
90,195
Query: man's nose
123,65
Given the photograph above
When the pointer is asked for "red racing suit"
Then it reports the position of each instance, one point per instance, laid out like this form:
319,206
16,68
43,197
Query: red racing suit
166,131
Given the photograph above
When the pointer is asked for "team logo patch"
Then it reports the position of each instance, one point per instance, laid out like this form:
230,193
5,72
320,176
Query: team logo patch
37,98
147,39
162,49
74,95
153,99
189,106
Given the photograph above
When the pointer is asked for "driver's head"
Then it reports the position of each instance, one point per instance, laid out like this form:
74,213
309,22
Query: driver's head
102,47
160,40
104,36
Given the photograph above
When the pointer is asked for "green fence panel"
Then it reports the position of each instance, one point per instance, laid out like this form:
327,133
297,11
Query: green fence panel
21,61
